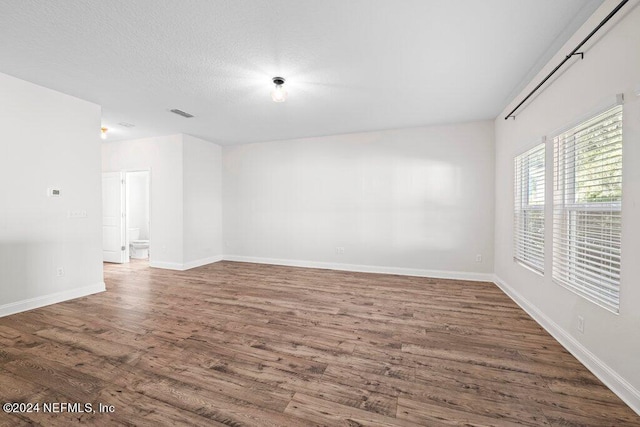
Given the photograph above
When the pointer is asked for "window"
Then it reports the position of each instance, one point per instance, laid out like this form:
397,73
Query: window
528,215
587,208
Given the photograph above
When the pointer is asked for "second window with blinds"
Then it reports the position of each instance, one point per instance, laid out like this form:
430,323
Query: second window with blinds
587,208
528,218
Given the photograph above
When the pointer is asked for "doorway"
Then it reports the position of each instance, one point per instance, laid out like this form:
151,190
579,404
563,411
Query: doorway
126,216
137,215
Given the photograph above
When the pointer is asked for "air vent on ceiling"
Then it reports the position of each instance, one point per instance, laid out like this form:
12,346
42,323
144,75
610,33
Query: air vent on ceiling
181,113
127,125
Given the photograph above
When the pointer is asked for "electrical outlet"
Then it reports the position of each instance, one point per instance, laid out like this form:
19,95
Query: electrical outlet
478,258
60,271
340,250
581,324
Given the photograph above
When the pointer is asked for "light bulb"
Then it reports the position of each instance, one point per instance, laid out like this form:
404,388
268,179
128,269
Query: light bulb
103,133
278,94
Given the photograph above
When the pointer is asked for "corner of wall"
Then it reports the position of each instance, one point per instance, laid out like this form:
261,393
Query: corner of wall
202,199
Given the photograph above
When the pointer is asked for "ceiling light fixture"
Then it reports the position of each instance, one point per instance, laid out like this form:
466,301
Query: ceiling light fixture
278,94
103,133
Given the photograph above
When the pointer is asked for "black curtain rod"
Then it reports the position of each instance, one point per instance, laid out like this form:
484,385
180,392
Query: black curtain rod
573,53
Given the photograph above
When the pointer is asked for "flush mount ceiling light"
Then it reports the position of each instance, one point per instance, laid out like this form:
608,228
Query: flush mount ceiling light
278,94
103,133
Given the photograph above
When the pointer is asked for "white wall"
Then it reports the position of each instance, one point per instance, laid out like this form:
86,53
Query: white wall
416,201
202,201
48,140
163,157
186,214
610,345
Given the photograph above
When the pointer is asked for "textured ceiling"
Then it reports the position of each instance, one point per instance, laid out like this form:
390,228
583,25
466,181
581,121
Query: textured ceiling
350,65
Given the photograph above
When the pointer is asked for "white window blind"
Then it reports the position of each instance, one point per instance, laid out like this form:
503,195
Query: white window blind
587,208
528,218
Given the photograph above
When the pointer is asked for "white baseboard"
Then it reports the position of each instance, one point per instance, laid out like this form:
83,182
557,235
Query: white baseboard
201,262
437,274
166,265
37,302
186,266
621,387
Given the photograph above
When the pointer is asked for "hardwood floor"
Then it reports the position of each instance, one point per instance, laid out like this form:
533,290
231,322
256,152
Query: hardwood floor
239,344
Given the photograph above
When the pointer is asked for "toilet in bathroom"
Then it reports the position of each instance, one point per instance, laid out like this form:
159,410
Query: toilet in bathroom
138,249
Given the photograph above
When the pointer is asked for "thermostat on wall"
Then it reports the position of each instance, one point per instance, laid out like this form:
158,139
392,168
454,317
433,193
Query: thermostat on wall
54,192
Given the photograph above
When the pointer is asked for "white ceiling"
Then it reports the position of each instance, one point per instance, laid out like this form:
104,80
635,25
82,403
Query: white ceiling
350,65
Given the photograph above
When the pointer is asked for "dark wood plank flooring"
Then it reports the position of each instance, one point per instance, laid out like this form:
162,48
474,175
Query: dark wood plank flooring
240,344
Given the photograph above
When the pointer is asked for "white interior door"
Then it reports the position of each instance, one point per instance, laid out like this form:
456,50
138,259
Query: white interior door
113,208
